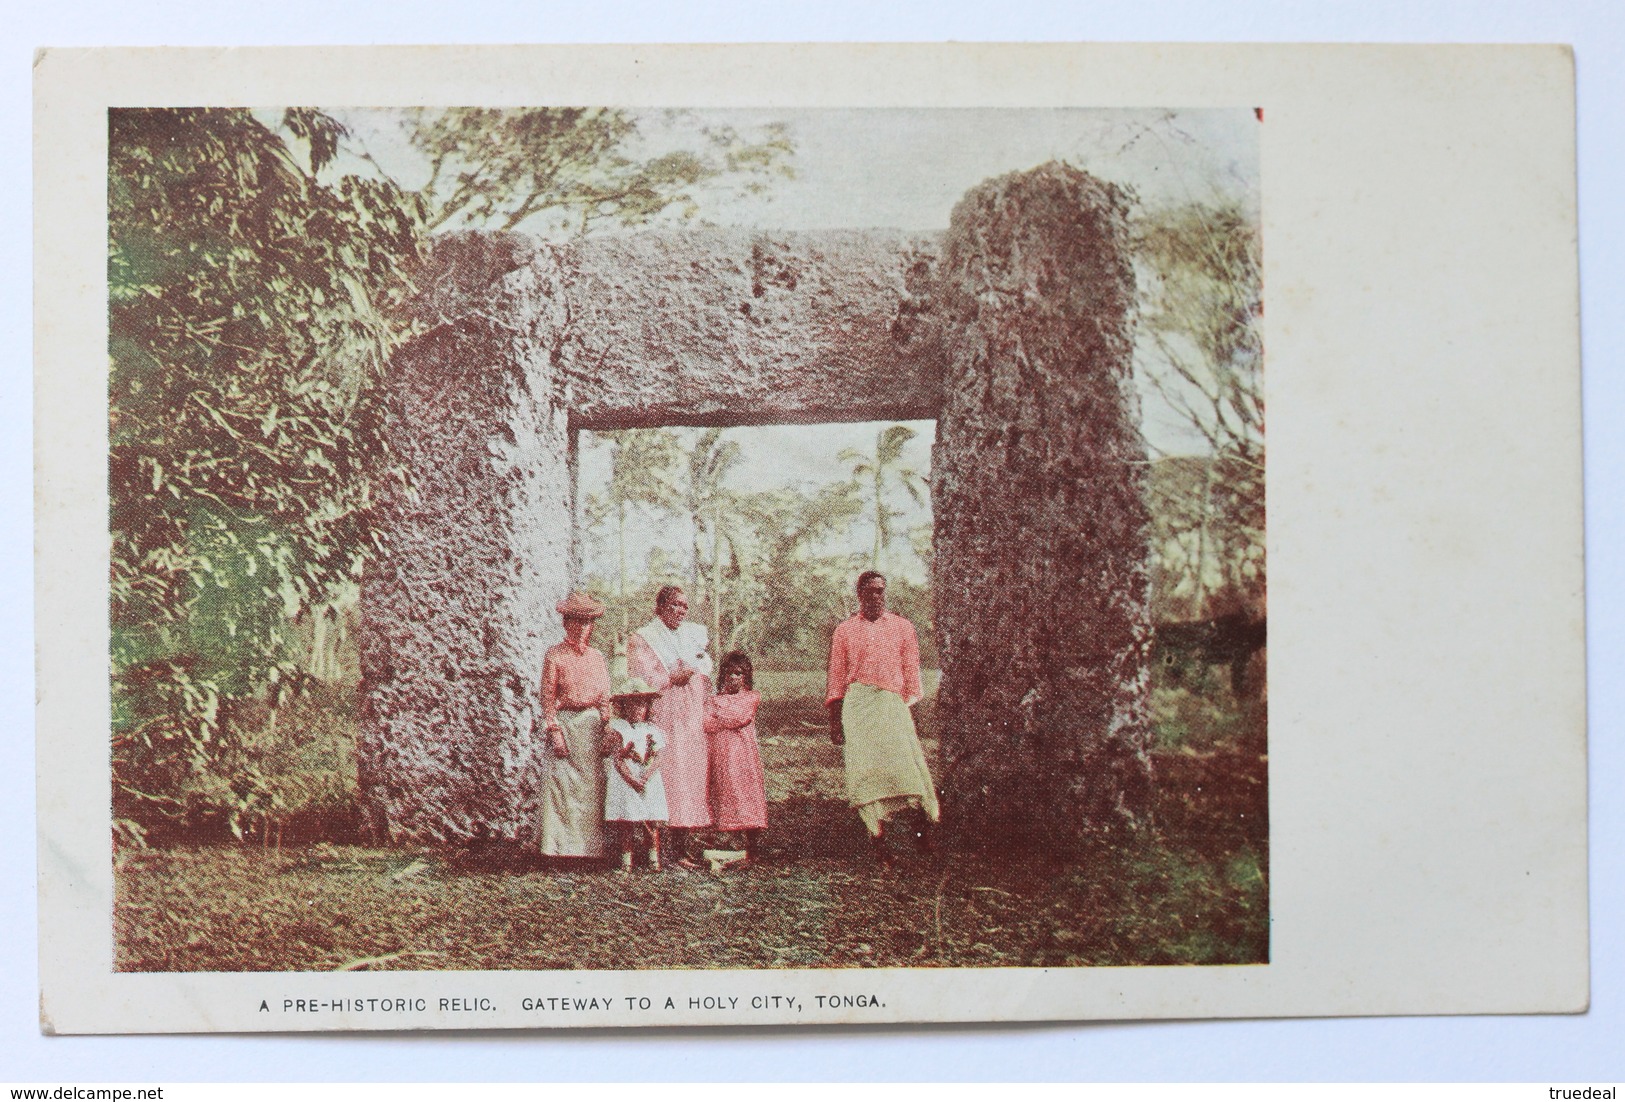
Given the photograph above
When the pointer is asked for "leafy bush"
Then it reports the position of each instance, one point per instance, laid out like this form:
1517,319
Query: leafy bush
250,302
256,294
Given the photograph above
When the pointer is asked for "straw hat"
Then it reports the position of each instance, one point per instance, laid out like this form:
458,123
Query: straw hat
581,606
634,689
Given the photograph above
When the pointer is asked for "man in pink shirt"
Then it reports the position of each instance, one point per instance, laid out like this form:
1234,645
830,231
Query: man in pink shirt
874,680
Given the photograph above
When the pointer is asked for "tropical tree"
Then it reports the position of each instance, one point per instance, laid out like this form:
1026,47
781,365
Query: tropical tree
878,472
259,269
728,523
1201,315
801,591
643,471
711,508
251,312
504,168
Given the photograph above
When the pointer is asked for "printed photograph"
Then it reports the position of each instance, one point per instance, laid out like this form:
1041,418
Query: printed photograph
596,538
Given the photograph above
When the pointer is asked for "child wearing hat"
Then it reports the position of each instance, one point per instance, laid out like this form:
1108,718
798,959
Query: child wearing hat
634,794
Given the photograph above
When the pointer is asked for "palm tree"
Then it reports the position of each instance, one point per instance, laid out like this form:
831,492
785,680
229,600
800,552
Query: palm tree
710,505
878,473
728,518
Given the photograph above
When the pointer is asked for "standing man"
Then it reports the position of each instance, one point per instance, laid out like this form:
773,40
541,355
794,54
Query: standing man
575,706
874,681
671,655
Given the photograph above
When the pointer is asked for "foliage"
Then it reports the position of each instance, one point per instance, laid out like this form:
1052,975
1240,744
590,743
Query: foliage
1207,535
504,168
1202,317
706,497
250,319
1201,715
258,266
800,595
1166,904
769,570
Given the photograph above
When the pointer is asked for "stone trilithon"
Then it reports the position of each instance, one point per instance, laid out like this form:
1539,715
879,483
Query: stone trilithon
1013,330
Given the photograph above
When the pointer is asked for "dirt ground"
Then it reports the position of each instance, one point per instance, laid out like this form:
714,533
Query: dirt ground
1193,890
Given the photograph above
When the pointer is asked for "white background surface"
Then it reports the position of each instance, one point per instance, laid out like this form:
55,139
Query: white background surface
1540,1049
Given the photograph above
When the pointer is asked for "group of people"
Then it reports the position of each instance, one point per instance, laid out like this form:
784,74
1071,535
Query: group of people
663,751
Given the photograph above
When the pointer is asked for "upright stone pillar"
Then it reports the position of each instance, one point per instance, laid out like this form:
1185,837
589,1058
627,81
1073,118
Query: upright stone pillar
459,608
1039,566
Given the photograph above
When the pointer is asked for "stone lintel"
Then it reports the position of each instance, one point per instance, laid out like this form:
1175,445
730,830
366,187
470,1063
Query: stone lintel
720,327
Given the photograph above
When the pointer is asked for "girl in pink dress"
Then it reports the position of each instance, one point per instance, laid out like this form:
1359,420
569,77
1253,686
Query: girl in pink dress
738,786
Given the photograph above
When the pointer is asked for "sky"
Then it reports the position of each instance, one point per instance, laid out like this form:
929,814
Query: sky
868,168
905,169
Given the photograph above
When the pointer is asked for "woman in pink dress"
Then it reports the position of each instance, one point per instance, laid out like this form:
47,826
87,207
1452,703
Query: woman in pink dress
671,653
738,786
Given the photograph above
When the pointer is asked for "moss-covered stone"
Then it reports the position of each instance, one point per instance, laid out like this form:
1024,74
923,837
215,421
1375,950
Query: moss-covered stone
1040,577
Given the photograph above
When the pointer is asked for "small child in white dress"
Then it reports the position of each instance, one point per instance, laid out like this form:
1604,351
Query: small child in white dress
634,794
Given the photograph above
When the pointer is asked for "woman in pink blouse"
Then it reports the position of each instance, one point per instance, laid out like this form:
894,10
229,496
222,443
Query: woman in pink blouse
738,785
575,705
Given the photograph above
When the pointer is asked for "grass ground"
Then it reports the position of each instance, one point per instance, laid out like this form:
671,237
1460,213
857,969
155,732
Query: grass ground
1193,891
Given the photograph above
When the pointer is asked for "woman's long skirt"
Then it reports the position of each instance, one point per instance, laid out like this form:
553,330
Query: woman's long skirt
571,815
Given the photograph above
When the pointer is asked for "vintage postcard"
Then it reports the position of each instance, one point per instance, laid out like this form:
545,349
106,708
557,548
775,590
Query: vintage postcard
643,536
